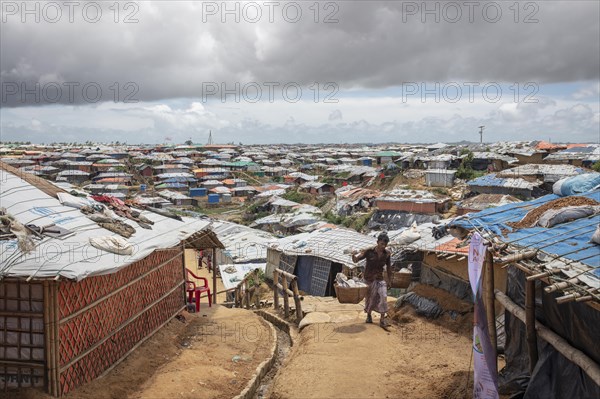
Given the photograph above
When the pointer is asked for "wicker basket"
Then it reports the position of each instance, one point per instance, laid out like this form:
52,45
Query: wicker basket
401,280
350,294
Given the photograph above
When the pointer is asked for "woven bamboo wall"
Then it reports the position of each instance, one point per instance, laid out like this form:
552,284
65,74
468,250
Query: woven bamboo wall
22,344
102,318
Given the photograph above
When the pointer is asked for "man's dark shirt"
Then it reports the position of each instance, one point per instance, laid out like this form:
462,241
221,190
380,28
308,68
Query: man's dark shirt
375,263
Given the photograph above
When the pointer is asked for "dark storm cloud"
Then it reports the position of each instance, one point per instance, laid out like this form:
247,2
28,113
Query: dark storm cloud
175,50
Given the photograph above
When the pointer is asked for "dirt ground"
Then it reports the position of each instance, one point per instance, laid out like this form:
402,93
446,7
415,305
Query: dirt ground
212,355
415,359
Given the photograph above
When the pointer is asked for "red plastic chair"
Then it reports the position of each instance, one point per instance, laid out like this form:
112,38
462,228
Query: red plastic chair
195,291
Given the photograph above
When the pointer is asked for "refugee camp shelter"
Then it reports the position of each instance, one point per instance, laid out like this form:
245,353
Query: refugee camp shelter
555,280
492,184
413,201
71,309
484,201
242,244
317,257
439,177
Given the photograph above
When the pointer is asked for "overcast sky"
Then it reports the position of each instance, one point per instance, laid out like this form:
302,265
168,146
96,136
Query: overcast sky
339,71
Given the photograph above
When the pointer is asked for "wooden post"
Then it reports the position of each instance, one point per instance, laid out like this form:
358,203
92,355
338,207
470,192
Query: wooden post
52,384
297,300
54,286
286,299
275,290
256,296
530,324
214,267
490,310
247,294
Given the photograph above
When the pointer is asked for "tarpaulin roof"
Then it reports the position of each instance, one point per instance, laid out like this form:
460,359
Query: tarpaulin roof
335,245
492,181
242,243
231,275
73,257
570,240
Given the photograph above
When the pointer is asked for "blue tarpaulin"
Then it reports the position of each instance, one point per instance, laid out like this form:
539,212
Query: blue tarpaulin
569,240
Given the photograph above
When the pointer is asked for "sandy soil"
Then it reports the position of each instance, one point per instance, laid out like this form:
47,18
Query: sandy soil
357,360
217,361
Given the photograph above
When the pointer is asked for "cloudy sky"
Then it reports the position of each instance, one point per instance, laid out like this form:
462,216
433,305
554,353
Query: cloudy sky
305,71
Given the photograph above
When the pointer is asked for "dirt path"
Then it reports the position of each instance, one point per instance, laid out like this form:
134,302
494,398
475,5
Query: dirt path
217,360
416,359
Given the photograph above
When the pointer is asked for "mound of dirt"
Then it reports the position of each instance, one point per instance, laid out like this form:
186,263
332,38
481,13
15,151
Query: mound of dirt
446,300
457,316
532,216
458,386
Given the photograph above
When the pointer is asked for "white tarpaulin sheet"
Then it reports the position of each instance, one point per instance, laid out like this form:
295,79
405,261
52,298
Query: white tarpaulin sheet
233,274
73,257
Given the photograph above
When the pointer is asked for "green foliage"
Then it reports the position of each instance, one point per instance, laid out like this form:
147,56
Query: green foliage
465,170
321,202
464,151
254,207
296,196
253,281
596,166
360,221
356,222
441,191
334,218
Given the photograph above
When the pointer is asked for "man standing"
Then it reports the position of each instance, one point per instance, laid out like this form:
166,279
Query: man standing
377,258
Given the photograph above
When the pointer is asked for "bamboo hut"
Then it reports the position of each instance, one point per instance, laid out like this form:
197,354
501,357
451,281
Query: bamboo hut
69,311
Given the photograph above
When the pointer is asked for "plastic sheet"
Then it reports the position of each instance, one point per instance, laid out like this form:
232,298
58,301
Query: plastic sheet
438,279
554,376
557,377
514,377
552,217
596,236
577,184
423,306
394,220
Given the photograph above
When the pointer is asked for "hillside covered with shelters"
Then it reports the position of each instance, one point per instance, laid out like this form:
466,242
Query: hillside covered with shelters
103,221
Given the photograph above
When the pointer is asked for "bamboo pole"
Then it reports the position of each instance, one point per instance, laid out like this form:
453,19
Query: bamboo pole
568,298
286,299
247,295
214,267
56,336
591,368
275,290
256,297
561,286
532,348
297,302
489,303
47,346
542,275
513,258
286,274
